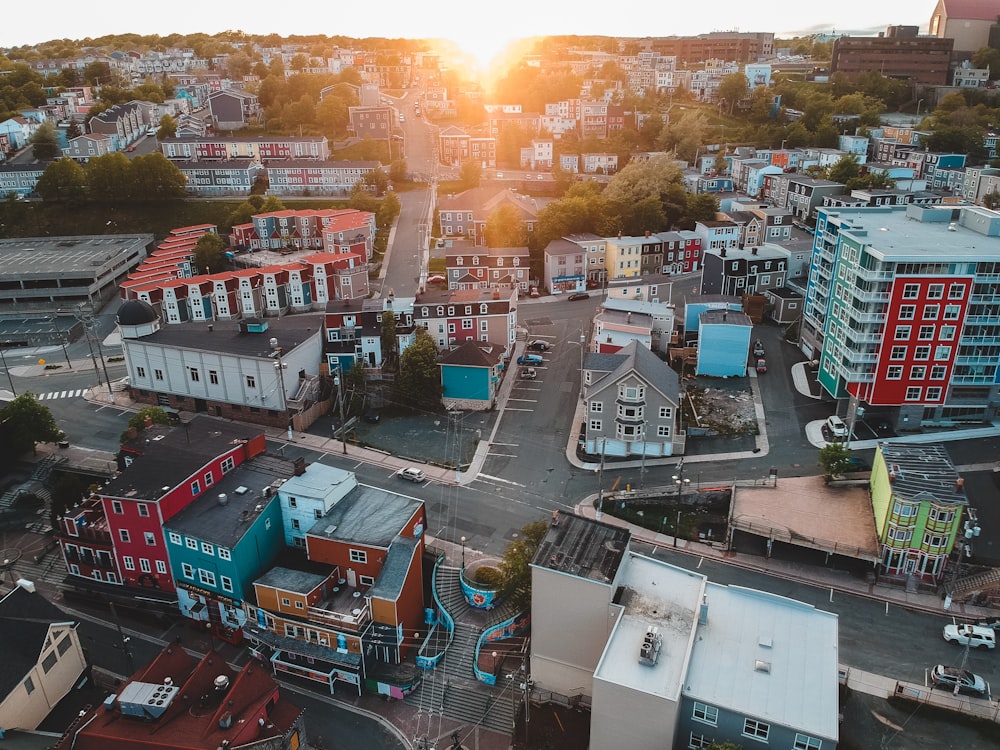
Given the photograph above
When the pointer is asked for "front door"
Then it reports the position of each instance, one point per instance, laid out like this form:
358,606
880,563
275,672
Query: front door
910,566
352,578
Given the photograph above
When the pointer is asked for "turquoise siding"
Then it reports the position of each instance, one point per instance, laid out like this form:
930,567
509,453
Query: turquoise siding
723,350
466,382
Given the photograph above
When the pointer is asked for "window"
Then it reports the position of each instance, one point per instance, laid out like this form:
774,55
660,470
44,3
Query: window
918,372
946,333
894,372
956,291
195,487
911,291
175,538
224,554
597,406
116,507
902,333
805,742
931,312
904,510
29,686
150,538
193,373
143,510
207,548
295,523
123,535
213,377
906,312
359,556
161,567
758,730
293,502
64,645
913,393
952,312
144,565
934,393
666,412
49,661
251,381
366,580
922,352
228,465
663,430
209,479
934,540
595,425
935,291
187,571
926,333
938,372
942,353
128,562
140,372
698,741
227,584
898,352
207,577
705,713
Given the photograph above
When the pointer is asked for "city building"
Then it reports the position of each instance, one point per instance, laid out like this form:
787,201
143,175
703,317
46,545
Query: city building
924,60
674,660
484,315
479,267
723,343
737,271
470,375
901,310
466,214
565,267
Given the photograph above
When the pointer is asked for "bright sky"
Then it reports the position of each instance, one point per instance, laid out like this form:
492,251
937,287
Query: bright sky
482,29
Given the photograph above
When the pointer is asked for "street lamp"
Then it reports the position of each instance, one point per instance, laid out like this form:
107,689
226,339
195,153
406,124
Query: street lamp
280,367
495,654
970,531
681,483
463,553
918,107
7,370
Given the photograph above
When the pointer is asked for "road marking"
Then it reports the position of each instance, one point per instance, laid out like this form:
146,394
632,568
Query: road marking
509,445
510,408
502,455
60,394
526,400
498,479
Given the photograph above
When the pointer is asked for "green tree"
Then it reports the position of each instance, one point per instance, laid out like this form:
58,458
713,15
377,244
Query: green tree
733,89
361,199
987,57
388,340
515,566
504,228
845,169
168,127
388,210
63,181
418,383
155,178
28,423
834,459
208,254
398,170
109,177
137,422
992,199
470,174
45,144
378,180
73,131
701,207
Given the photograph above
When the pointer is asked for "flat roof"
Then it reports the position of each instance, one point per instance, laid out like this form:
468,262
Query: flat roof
89,256
367,515
582,547
769,657
656,595
226,337
807,512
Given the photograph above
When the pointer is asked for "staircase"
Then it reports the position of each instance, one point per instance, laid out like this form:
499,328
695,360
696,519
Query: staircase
451,689
966,586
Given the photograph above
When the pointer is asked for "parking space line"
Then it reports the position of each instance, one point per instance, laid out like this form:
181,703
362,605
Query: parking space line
526,400
515,409
498,479
502,455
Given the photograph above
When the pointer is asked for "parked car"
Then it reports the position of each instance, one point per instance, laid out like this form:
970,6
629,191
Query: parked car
411,473
436,278
963,679
761,365
529,373
758,348
971,635
529,359
578,295
539,345
837,427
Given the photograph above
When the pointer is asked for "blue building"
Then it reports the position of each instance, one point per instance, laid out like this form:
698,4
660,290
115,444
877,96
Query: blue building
220,543
470,375
724,343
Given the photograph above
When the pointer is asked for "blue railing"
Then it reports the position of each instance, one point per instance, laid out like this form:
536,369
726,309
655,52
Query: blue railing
509,628
443,620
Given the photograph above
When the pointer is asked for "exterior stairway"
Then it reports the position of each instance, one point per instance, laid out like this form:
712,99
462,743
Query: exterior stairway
966,586
451,689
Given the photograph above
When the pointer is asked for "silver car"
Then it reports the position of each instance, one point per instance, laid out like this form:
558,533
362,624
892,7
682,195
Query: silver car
962,679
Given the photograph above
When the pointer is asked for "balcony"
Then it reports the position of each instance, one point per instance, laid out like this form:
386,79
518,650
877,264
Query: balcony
345,609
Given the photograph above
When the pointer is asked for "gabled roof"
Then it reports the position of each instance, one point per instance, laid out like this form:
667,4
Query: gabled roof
472,354
647,366
25,618
971,10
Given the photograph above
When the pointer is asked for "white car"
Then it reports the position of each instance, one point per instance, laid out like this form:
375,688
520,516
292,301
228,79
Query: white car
837,427
412,474
972,635
960,680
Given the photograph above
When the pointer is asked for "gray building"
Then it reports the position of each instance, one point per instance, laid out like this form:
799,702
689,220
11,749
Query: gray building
744,271
632,402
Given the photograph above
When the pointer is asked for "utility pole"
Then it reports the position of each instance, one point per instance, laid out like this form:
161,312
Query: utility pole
338,381
600,481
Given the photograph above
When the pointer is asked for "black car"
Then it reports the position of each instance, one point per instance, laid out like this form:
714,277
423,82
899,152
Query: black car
539,345
578,295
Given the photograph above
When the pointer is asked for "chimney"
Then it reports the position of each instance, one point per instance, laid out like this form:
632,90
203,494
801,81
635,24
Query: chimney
753,251
496,293
960,484
300,466
647,233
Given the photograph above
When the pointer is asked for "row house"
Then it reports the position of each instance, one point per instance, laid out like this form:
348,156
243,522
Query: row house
190,126
538,155
565,267
332,230
376,122
123,121
116,536
907,326
654,287
350,231
593,120
557,125
484,315
634,256
924,163
83,148
569,163
740,271
353,331
598,163
615,329
681,251
657,321
256,148
466,214
455,147
18,130
523,122
485,268
206,178
748,174
762,225
799,194
233,109
310,177
595,254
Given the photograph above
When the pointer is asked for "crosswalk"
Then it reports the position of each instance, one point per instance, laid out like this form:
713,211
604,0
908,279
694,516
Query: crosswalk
76,393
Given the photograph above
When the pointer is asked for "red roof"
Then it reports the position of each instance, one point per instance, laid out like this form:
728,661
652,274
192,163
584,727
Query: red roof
971,10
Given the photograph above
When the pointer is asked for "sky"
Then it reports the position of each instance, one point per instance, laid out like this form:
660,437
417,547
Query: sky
482,29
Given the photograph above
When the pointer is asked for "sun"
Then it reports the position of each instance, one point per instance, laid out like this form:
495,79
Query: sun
485,52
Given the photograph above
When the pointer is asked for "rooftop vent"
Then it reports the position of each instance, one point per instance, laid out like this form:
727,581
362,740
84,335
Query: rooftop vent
649,651
952,227
222,499
759,665
241,490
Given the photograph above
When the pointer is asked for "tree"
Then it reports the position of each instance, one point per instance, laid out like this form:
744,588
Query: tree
28,423
73,131
109,177
504,228
361,199
398,170
388,340
418,384
388,210
168,127
44,143
992,199
378,180
208,254
137,422
470,174
733,89
845,169
834,459
63,181
515,567
987,57
155,178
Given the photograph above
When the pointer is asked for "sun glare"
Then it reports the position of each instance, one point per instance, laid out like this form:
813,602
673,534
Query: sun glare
485,52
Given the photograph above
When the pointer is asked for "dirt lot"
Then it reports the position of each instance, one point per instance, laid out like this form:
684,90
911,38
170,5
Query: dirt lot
721,406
